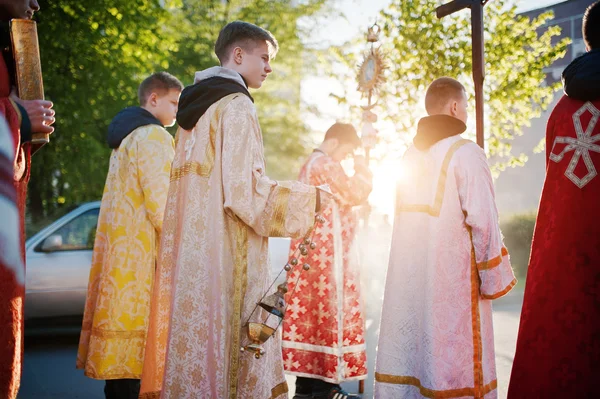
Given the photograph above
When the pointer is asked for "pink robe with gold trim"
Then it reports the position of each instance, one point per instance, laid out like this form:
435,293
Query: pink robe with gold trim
446,265
213,264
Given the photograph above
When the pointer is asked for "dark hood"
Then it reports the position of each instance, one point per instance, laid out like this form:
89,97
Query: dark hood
197,98
581,79
126,122
432,129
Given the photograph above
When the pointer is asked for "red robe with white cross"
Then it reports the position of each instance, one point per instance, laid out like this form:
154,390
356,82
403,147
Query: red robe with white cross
558,347
324,325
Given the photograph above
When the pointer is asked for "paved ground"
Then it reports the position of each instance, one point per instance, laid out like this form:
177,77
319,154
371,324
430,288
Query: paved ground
49,362
49,371
49,367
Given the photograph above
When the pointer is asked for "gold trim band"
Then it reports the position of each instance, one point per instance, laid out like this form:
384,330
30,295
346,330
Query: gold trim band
95,332
110,376
492,263
239,290
476,327
501,293
432,393
434,210
279,390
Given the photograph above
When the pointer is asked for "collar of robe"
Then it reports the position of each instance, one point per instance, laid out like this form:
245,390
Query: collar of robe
126,121
215,84
432,129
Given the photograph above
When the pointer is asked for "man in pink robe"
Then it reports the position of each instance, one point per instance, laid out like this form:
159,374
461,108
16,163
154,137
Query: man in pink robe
447,264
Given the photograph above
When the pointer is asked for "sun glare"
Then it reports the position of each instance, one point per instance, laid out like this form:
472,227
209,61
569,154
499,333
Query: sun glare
386,174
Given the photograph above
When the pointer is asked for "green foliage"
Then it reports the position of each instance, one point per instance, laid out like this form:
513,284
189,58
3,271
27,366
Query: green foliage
95,54
518,233
420,48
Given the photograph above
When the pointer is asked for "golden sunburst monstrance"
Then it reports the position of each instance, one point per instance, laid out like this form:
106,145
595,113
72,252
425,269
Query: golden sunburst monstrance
370,78
370,71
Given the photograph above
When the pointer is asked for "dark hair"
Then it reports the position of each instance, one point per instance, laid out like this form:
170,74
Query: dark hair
159,82
440,91
245,35
591,26
345,133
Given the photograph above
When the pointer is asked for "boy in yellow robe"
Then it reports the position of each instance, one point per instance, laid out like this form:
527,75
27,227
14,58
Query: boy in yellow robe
117,309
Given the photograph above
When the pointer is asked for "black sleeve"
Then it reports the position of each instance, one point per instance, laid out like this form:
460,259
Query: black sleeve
25,125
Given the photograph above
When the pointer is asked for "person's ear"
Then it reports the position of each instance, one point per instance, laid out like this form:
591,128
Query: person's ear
153,100
238,55
335,143
454,108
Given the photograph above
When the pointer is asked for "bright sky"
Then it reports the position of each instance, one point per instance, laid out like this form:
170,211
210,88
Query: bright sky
362,13
357,16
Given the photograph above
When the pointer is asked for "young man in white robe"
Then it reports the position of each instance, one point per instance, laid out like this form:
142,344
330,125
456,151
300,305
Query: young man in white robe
447,263
213,266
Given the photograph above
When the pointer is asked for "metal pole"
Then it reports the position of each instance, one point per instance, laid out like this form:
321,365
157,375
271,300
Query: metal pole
478,67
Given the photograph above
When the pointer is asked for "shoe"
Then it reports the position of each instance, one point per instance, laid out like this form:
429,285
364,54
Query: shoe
303,396
336,393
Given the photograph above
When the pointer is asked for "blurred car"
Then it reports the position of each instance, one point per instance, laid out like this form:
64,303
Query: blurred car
59,258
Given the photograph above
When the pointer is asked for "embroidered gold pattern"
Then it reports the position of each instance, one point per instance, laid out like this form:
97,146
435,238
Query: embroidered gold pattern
202,170
280,213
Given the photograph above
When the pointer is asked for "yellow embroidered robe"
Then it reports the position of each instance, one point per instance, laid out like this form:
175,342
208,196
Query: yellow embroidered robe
117,308
213,266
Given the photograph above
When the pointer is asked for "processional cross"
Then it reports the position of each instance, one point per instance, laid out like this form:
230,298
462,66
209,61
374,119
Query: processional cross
476,7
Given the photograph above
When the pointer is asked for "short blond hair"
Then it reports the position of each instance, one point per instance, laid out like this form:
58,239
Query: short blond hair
440,92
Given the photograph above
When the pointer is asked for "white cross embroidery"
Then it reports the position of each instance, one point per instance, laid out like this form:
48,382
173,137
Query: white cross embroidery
582,145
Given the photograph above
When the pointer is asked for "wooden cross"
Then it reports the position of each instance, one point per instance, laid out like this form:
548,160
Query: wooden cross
476,7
